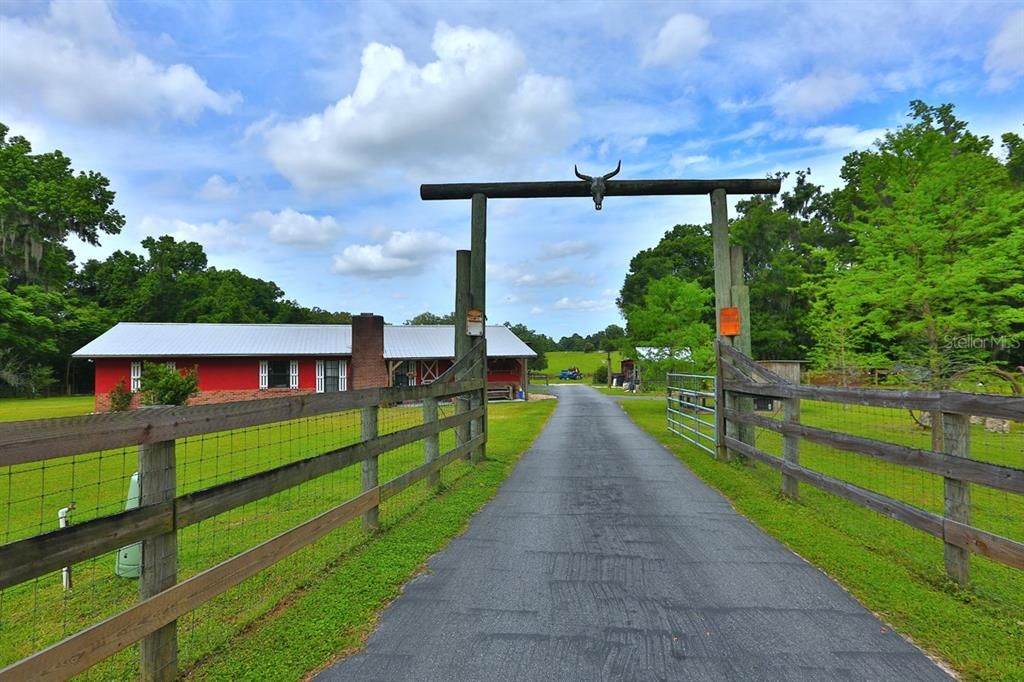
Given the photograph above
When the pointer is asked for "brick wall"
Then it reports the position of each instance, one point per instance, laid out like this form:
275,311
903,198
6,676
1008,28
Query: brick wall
208,397
368,368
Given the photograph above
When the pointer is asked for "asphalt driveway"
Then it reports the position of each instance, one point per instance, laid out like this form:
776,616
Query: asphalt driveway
603,558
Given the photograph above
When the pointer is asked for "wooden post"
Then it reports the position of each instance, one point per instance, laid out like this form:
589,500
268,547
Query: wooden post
791,447
722,257
723,292
368,431
956,438
431,444
462,342
741,300
721,451
158,652
478,292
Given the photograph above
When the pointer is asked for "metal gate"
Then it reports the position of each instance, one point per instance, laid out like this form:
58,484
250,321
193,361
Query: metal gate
690,408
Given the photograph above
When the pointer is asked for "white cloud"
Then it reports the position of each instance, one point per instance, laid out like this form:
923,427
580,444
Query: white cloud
76,62
519,277
215,236
402,253
1004,61
298,229
570,247
817,94
217,188
681,162
586,305
679,41
478,106
844,136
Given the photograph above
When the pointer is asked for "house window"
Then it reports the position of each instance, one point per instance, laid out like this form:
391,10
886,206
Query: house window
331,376
278,374
136,377
404,374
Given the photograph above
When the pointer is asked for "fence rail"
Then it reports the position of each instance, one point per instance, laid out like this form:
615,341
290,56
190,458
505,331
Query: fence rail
951,410
162,514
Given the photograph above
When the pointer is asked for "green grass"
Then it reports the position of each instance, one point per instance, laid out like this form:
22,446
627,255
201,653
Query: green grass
587,362
18,409
37,613
892,569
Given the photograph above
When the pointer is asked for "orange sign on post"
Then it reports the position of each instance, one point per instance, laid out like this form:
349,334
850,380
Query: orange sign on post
729,322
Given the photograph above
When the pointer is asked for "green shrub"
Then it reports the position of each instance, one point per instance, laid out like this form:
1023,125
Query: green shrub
601,375
120,397
163,385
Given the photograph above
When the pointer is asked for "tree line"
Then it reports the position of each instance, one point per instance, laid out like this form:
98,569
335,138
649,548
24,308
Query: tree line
914,264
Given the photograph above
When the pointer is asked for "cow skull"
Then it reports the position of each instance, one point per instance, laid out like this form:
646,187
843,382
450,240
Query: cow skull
597,186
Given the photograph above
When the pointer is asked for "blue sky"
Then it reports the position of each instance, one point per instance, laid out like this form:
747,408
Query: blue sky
290,138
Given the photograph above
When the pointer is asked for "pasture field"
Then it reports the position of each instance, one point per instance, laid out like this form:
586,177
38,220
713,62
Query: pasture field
37,613
18,409
894,570
587,362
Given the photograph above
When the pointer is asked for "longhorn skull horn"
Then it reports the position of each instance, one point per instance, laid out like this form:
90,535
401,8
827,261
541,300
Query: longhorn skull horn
614,172
597,183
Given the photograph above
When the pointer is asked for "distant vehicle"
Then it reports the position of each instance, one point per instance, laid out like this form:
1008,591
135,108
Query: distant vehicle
571,373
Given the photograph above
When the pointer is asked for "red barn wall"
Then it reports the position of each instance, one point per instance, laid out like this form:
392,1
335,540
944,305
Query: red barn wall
220,379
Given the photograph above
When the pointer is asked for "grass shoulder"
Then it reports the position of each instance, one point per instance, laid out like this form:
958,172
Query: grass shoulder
19,409
892,569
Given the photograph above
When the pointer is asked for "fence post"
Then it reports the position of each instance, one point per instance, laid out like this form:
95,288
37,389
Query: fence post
477,288
956,439
158,652
368,431
721,451
791,446
478,427
463,343
431,444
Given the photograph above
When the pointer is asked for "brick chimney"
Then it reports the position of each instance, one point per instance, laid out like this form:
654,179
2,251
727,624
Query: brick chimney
369,369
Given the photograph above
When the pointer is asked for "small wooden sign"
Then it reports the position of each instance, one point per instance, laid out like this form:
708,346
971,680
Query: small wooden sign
474,322
729,321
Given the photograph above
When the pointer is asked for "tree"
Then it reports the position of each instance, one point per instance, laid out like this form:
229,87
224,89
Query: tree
42,202
538,343
939,233
672,319
685,251
430,318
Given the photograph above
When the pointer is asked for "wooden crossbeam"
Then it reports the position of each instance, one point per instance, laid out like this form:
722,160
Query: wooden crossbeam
613,188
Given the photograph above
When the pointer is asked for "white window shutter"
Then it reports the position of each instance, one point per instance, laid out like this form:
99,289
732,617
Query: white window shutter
170,364
293,374
136,377
343,375
264,372
319,376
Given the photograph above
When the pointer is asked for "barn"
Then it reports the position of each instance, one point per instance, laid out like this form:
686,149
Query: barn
250,361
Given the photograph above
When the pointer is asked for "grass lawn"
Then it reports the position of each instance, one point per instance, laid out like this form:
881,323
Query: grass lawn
35,614
587,363
892,569
18,409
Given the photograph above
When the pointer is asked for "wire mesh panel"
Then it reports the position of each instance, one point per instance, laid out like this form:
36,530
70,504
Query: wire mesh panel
690,408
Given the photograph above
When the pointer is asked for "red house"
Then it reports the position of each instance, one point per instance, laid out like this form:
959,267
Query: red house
247,361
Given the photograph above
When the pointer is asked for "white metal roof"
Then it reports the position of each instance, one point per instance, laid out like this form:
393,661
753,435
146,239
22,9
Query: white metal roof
172,339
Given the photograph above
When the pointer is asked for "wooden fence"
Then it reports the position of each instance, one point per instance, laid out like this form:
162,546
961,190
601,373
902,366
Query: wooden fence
152,620
951,412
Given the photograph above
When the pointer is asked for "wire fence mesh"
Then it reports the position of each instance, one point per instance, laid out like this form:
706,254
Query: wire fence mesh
39,612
